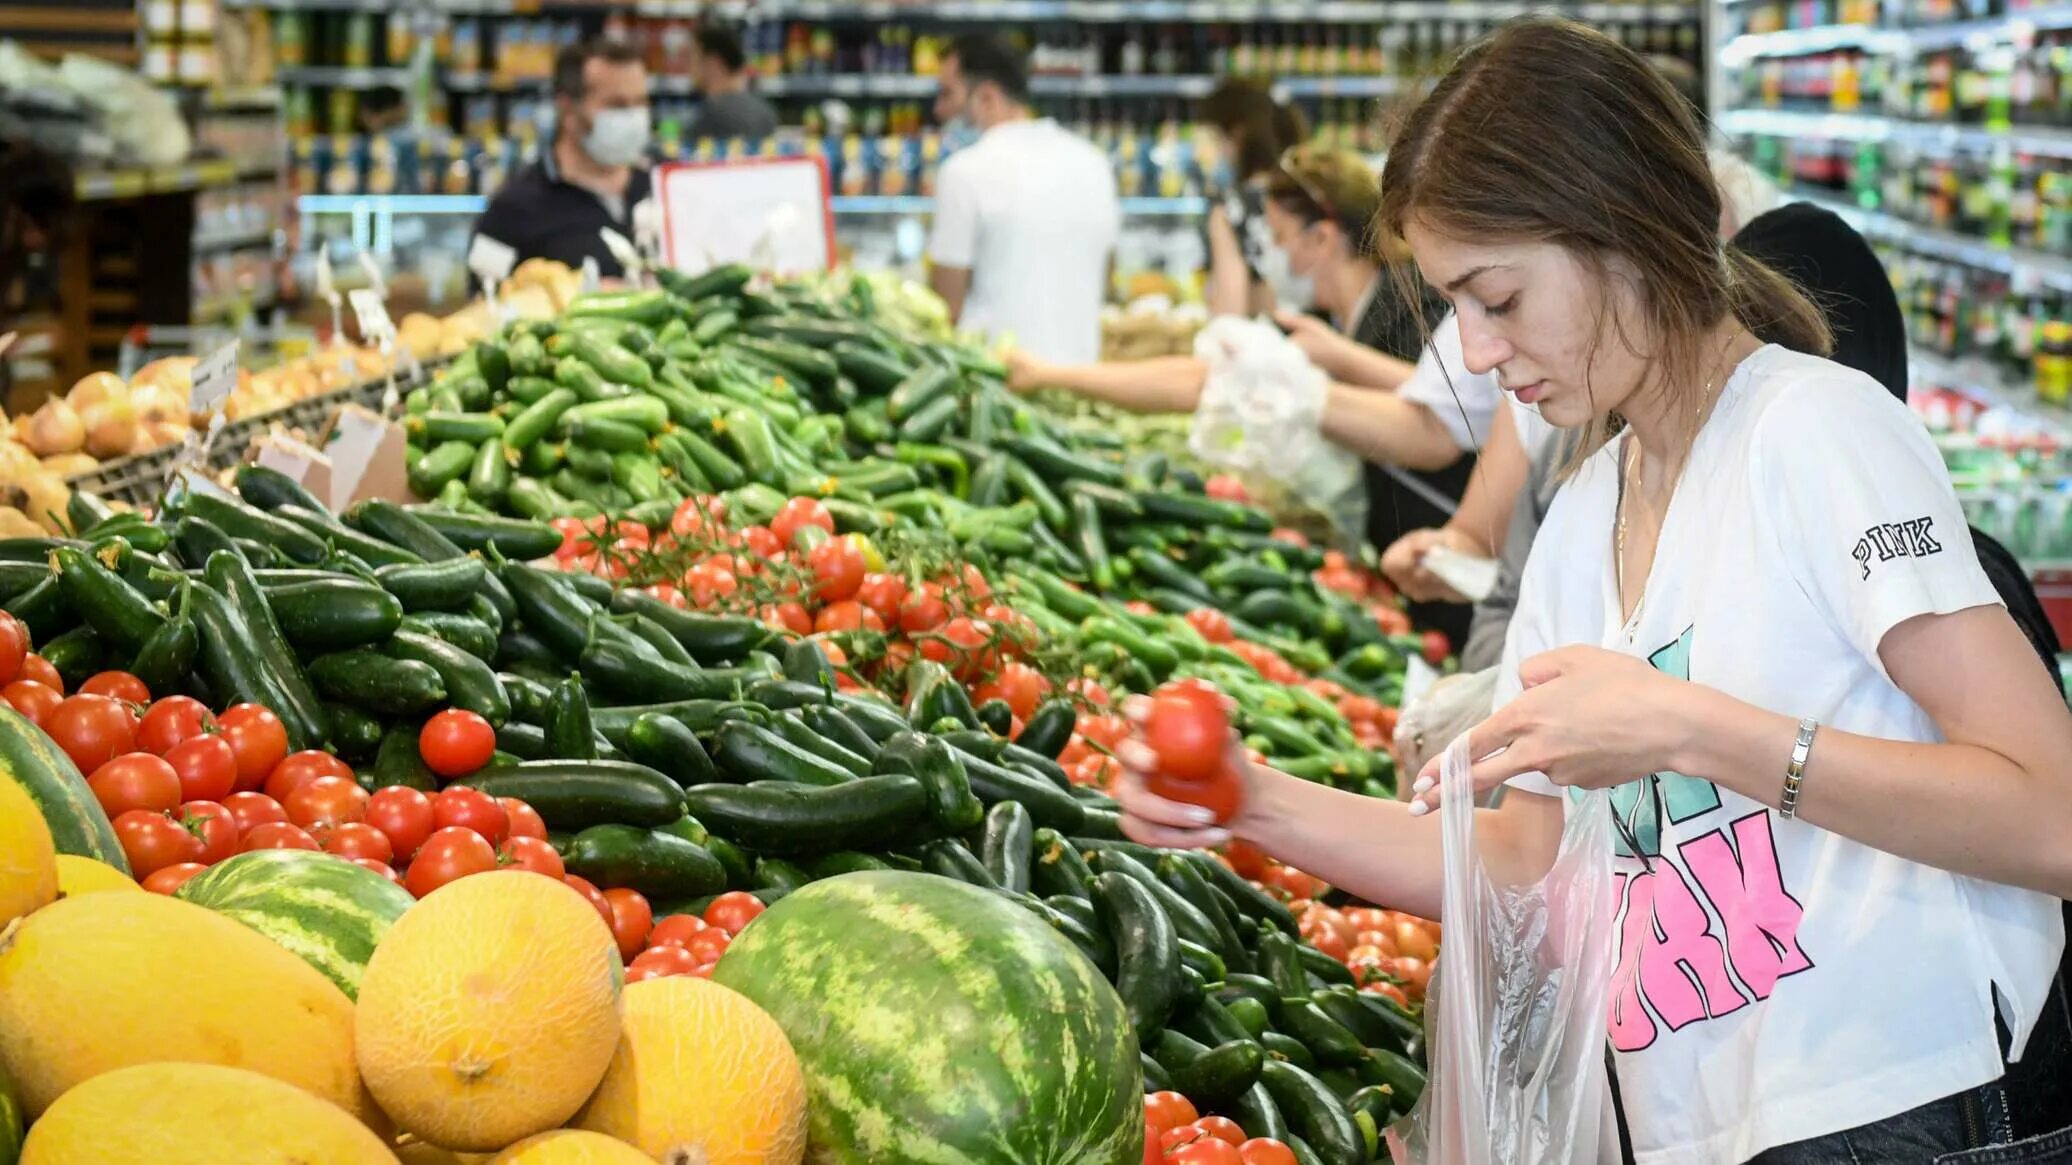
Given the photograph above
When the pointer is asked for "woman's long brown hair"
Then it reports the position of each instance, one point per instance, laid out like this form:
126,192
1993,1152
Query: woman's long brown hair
1549,131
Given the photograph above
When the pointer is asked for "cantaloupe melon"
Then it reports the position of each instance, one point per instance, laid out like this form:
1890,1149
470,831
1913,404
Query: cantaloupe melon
78,875
28,857
571,1147
702,1077
103,981
197,1114
490,1010
412,1151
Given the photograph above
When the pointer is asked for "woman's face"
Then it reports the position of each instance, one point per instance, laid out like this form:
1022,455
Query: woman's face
1307,245
1540,319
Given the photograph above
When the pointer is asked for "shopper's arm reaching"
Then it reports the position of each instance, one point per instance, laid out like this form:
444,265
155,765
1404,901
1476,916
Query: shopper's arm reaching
952,284
953,243
1162,384
1342,358
1381,426
1229,288
1477,527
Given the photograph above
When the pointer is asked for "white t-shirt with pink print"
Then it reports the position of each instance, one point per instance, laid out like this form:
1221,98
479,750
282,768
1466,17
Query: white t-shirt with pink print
1777,981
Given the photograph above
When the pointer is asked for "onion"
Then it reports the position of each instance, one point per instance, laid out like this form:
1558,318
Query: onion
159,434
15,524
158,402
96,388
111,428
46,495
15,461
67,465
55,429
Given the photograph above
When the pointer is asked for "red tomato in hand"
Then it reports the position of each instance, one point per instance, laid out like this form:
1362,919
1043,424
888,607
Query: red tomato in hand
1265,1151
277,835
136,780
1436,648
37,669
449,854
632,919
172,720
525,820
837,566
207,767
14,647
733,911
116,685
404,815
591,895
92,730
357,839
1166,1111
325,803
456,742
472,809
532,853
152,841
214,825
33,700
797,514
300,768
251,810
259,739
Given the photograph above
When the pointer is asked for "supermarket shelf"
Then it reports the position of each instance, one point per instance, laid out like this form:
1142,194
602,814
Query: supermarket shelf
1988,384
1874,128
848,205
244,98
2054,270
335,77
1192,85
95,185
870,205
1079,11
234,240
1878,38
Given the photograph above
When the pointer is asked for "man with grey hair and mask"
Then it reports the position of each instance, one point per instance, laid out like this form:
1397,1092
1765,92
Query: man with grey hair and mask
593,173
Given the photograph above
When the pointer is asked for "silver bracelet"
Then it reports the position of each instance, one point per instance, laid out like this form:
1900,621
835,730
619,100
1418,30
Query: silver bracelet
1788,805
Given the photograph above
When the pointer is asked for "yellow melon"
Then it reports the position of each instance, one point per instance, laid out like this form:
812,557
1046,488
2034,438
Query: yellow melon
78,875
28,857
197,1114
489,1011
571,1147
415,1152
103,981
703,1076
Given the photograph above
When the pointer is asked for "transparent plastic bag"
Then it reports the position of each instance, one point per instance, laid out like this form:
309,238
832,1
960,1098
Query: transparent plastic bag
1515,1015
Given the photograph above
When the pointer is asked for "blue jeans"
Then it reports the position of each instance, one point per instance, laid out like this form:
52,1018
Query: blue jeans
1964,1129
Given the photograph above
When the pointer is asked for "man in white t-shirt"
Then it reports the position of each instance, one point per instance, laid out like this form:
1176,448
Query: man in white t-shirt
1026,218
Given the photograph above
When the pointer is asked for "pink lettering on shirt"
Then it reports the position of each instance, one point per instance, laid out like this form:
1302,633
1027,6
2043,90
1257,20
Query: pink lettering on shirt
1762,921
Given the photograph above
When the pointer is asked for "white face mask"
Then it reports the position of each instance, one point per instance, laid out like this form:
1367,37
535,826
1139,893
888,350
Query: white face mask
1291,291
618,137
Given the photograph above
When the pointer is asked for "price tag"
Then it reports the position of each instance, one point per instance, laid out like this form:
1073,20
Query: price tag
373,271
375,326
647,227
490,260
623,251
589,281
215,375
327,290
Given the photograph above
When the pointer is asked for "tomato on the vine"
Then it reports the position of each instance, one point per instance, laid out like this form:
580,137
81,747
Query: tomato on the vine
733,911
924,609
117,685
135,780
668,593
251,810
92,730
357,839
632,919
277,835
760,541
213,825
151,840
838,569
326,803
525,821
1022,686
532,853
14,647
206,765
846,615
456,742
574,538
259,739
796,515
300,768
33,700
592,895
171,720
404,815
449,854
883,593
37,669
791,617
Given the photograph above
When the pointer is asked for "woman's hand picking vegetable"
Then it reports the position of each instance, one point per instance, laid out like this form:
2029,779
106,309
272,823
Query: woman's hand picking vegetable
1185,773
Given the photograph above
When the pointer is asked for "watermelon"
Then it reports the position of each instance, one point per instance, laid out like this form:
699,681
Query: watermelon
324,909
942,1024
35,762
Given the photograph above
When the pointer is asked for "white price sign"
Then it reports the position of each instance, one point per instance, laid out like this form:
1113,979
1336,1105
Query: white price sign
375,326
490,260
215,375
373,273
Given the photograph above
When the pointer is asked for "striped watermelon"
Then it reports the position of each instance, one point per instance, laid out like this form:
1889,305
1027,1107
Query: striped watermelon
323,908
941,1024
35,762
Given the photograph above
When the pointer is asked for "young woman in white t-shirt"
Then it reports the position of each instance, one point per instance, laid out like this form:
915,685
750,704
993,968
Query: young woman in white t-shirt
1754,615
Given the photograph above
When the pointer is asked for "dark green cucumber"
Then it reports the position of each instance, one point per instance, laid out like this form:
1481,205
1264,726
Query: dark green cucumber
1327,1039
784,817
659,865
657,637
333,613
952,807
746,752
1247,1011
949,859
270,489
369,680
166,661
1401,1077
1210,1077
1059,869
712,640
1047,804
1048,728
470,683
1250,899
1186,880
667,745
399,761
1314,1113
874,716
229,664
1257,1114
355,735
801,735
841,862
575,795
239,520
77,655
778,874
434,586
300,710
1257,988
570,731
1147,951
466,632
523,741
1188,922
832,723
118,613
343,537
1286,1047
514,538
1009,838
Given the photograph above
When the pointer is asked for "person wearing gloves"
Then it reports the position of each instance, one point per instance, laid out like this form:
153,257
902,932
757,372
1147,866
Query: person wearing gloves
593,173
1840,783
1248,273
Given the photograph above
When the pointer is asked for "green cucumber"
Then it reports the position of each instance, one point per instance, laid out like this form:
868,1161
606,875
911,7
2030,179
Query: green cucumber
656,863
746,752
469,682
1315,1113
299,708
238,520
802,736
434,586
118,613
952,807
1059,869
371,681
575,795
668,745
514,538
1009,838
333,613
783,817
1146,949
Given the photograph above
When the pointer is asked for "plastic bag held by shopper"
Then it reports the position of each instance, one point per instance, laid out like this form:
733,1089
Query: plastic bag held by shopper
1261,411
1515,1018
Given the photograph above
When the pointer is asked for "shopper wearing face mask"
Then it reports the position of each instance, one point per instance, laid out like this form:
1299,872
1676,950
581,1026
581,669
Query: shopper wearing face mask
1026,216
1248,273
726,109
593,173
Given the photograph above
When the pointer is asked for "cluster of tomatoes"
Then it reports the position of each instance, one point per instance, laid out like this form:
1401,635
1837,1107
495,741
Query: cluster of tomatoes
1390,952
1176,1134
680,944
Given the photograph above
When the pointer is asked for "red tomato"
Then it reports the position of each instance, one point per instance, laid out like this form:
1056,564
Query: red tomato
172,720
1386,988
1289,534
92,730
357,839
117,685
449,854
525,820
1436,647
761,541
1247,859
883,593
668,594
300,768
1091,691
168,879
675,930
966,646
1165,1111
152,841
591,895
632,919
214,825
733,911
14,647
382,868
707,585
532,853
135,780
846,615
657,962
259,739
277,835
1022,686
797,514
404,815
1190,732
33,700
692,520
573,537
837,566
1206,1151
1226,488
923,609
456,742
251,810
1211,624
325,803
791,617
206,765
472,809
37,669
1265,1151
708,945
1222,1128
